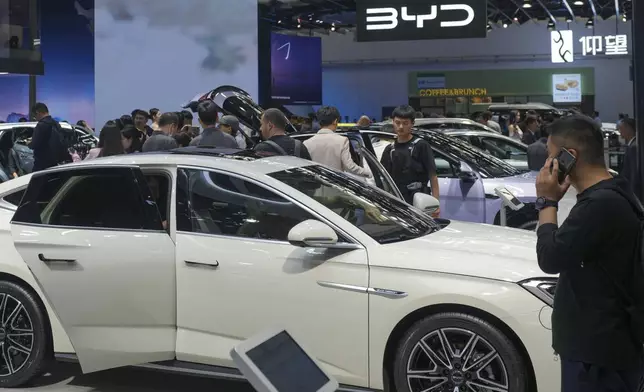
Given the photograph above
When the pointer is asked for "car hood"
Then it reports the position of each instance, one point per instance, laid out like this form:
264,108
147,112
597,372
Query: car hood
468,249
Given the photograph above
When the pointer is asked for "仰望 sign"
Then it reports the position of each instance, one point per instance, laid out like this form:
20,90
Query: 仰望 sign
562,43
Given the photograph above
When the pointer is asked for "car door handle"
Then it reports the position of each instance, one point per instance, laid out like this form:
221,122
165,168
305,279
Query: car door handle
46,260
197,264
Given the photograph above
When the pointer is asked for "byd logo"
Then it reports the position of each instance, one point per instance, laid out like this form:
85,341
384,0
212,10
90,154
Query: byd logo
387,18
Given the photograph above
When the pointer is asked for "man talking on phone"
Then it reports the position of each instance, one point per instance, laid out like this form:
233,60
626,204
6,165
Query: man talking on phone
594,251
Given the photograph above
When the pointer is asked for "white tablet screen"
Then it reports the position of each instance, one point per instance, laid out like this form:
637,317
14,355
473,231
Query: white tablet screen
286,365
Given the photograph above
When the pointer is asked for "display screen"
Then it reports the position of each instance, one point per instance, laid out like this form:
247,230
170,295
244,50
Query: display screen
566,88
296,69
507,195
286,365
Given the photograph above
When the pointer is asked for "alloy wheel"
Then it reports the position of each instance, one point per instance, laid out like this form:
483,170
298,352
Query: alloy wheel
16,335
455,360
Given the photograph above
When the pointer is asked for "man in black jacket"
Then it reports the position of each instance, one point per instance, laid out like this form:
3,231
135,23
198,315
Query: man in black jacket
211,136
594,251
45,142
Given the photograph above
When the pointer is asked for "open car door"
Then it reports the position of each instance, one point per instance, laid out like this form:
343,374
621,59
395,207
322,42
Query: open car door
94,241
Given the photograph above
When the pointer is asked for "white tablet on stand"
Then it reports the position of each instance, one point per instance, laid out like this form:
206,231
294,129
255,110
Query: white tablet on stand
274,362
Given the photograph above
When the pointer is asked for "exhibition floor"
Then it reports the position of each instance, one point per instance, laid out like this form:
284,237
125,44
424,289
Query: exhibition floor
67,377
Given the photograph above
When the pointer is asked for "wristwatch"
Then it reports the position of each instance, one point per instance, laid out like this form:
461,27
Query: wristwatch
543,203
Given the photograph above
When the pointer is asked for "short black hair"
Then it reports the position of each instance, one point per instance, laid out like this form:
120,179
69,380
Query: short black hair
154,112
137,112
277,118
405,112
327,115
630,122
126,119
531,120
208,112
168,118
183,139
187,114
40,107
580,133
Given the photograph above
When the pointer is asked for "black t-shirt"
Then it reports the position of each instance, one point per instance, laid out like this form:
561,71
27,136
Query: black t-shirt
595,247
287,143
409,162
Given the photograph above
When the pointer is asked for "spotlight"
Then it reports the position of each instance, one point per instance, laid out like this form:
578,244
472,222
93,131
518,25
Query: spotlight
527,3
299,26
515,19
505,25
578,3
590,24
279,22
551,25
624,18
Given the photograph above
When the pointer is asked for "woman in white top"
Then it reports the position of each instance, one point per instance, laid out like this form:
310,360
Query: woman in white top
514,130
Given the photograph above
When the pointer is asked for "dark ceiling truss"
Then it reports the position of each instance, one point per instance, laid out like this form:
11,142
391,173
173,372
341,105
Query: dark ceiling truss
318,15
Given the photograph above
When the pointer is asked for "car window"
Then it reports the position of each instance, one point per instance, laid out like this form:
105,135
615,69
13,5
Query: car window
509,150
445,168
216,203
378,214
15,197
90,198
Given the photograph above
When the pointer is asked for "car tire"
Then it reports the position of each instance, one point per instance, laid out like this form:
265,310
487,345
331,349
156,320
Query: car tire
481,355
23,335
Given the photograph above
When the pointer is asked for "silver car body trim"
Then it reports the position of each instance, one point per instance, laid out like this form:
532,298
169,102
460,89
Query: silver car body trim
387,293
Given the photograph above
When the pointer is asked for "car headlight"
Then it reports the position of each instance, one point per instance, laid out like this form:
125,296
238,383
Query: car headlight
544,289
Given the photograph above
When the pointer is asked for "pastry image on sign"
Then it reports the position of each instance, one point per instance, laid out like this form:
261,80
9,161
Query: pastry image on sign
562,87
572,83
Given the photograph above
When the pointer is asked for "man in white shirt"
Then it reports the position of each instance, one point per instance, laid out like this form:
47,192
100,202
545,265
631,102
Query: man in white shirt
331,149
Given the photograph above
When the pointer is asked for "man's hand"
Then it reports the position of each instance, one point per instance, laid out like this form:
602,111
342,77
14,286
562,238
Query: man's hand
437,213
548,182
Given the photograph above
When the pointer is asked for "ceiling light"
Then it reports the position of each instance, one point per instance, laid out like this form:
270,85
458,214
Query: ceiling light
332,28
527,3
515,19
299,26
489,27
551,25
568,19
578,3
624,18
590,24
505,25
4,73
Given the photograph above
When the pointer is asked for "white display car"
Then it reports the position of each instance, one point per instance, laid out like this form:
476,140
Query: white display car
168,260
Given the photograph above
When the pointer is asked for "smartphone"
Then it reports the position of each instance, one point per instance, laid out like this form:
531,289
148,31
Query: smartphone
566,164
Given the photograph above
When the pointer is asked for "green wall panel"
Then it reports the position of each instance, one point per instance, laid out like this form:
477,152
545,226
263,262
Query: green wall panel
507,81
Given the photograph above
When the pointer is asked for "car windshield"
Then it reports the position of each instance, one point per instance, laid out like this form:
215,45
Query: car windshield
381,216
487,165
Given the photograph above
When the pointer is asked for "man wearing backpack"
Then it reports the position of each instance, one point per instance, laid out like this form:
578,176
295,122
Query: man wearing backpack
276,141
47,141
597,327
410,160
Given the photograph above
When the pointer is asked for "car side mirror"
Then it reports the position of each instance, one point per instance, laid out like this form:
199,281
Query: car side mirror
467,176
426,203
315,234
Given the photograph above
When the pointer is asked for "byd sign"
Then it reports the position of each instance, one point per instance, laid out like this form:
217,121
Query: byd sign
391,20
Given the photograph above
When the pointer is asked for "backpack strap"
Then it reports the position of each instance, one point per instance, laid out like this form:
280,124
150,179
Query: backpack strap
411,148
298,148
276,147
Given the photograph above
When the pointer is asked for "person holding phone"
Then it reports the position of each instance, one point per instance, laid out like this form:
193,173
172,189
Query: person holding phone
596,252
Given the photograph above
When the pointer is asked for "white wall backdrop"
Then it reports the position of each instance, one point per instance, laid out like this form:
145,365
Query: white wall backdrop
361,78
162,53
